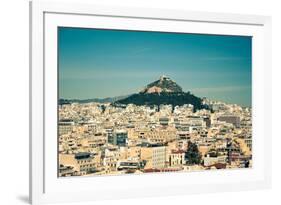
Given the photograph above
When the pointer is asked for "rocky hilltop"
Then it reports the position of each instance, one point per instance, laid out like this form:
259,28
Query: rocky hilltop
164,84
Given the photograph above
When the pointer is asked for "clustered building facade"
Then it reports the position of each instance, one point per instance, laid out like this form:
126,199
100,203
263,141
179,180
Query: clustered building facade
102,139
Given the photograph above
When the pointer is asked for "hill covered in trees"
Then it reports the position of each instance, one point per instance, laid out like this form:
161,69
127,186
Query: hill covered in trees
163,91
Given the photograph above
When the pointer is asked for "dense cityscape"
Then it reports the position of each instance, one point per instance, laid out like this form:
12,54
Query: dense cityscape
104,138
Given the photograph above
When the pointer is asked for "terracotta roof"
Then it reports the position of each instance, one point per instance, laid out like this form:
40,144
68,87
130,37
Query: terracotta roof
177,151
218,166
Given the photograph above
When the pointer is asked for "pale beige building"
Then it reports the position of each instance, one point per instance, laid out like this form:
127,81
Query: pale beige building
155,135
82,163
155,156
176,158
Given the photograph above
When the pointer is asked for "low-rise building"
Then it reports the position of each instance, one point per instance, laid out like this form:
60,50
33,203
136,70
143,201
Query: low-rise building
176,158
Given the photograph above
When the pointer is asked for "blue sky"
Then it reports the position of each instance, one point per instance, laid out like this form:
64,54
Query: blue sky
97,63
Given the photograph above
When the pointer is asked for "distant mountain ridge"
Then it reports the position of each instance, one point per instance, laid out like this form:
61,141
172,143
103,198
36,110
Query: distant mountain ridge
98,100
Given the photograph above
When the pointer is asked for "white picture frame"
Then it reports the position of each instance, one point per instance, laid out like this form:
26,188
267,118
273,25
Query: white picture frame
46,187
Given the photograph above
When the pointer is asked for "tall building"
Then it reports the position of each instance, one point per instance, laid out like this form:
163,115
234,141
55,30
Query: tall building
118,138
154,155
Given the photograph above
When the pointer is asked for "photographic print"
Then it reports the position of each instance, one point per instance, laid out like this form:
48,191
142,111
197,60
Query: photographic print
133,102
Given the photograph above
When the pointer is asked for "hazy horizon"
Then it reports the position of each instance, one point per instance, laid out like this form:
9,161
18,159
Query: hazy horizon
97,63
